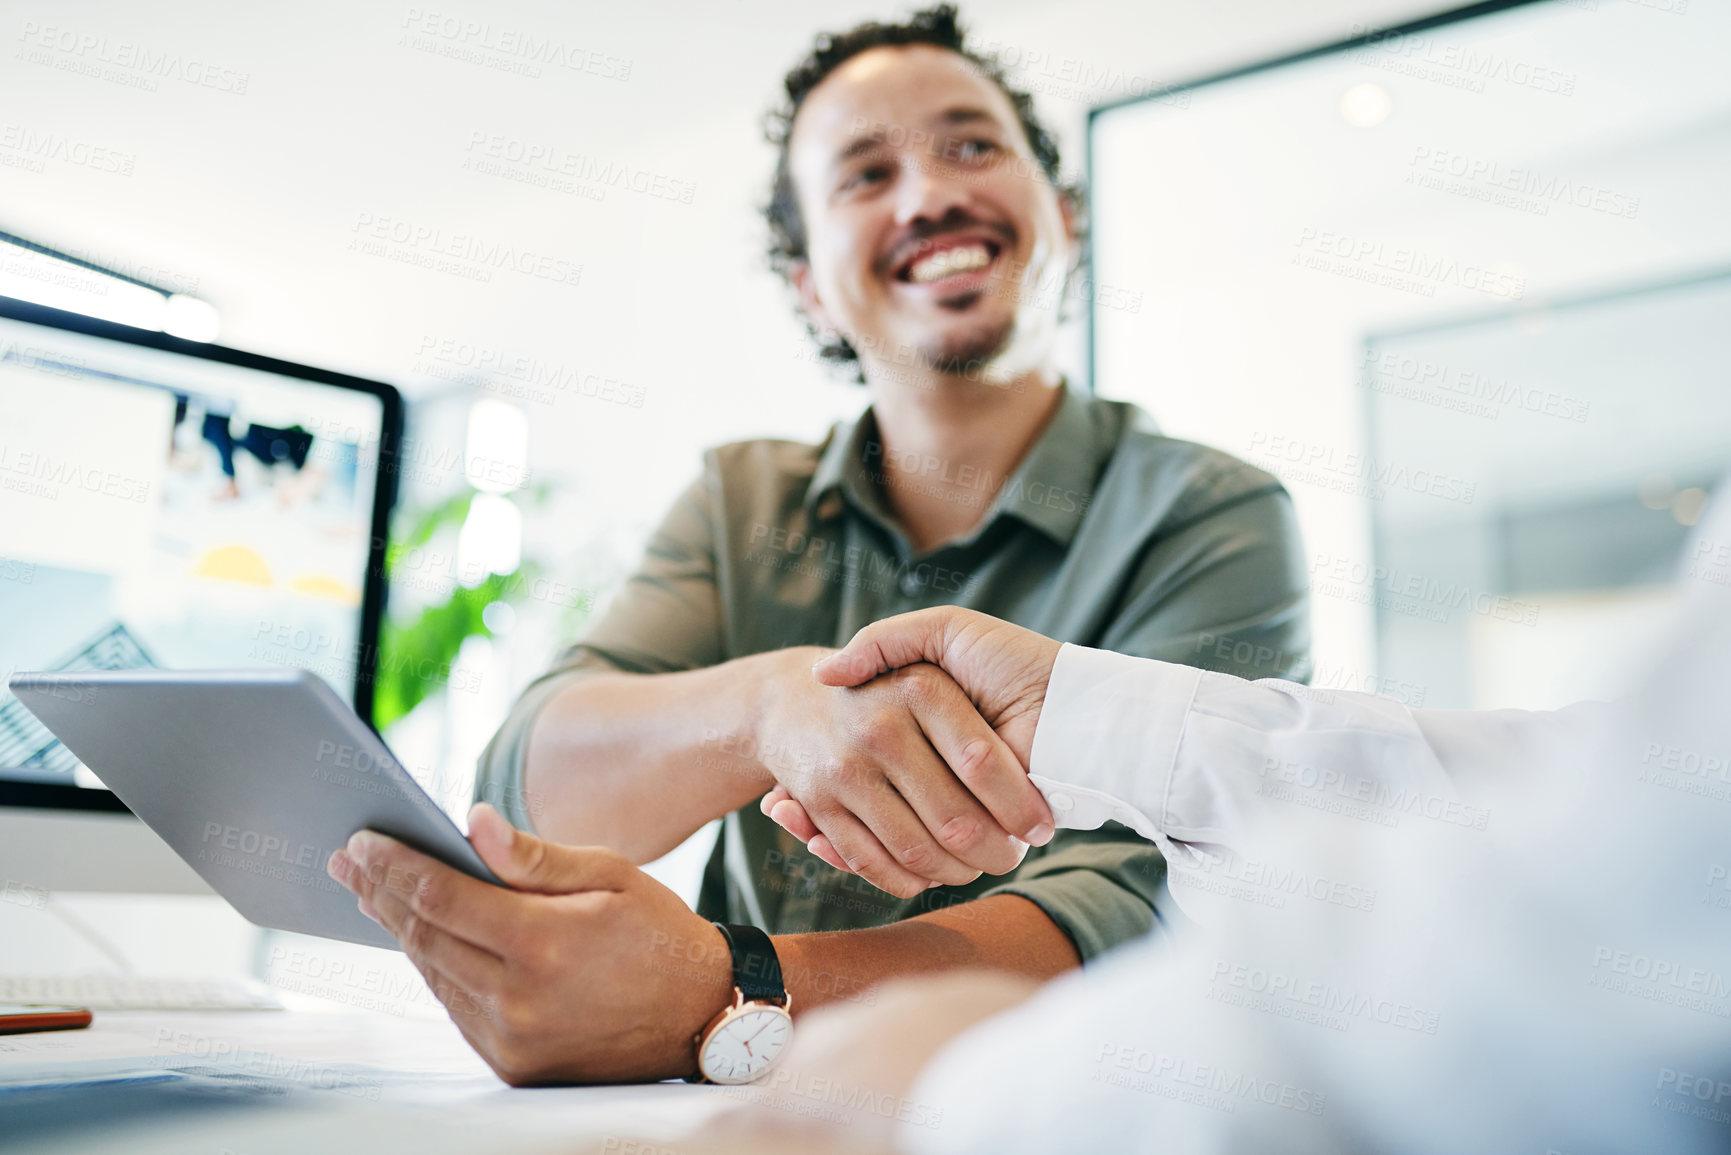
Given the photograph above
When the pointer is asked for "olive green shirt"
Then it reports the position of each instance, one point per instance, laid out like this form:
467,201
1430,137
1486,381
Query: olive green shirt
1106,535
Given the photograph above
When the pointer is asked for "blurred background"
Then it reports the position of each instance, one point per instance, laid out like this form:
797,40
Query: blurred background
1463,288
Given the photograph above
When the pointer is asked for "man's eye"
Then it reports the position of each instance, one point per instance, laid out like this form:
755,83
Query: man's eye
973,149
865,176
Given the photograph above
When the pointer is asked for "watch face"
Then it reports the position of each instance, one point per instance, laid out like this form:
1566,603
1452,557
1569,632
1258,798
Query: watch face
746,1044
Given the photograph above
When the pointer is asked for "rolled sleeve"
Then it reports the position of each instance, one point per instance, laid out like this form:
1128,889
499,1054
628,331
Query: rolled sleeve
499,770
1099,886
1228,577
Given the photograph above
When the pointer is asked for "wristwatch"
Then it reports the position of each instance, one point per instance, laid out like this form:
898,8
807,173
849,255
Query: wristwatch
747,1038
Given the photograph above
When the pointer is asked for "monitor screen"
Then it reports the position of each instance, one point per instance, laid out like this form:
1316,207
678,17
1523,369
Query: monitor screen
183,506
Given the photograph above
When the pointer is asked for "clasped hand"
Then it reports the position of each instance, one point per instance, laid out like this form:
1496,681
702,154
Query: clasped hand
942,705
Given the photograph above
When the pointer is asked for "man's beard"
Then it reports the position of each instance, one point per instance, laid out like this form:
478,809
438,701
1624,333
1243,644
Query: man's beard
970,350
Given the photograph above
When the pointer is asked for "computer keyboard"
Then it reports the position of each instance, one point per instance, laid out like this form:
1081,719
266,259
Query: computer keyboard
135,993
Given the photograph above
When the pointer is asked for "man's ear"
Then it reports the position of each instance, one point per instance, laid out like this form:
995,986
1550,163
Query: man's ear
799,272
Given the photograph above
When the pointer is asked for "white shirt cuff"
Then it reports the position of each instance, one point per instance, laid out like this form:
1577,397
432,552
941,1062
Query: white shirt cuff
1107,738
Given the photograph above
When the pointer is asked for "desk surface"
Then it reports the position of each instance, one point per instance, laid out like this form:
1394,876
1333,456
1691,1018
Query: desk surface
307,1079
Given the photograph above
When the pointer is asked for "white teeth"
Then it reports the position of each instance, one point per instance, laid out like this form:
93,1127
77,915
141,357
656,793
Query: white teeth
957,260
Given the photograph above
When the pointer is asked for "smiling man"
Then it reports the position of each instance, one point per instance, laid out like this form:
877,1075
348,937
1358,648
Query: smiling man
918,213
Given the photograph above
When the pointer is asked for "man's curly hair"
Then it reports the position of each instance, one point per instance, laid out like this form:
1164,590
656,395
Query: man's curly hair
936,26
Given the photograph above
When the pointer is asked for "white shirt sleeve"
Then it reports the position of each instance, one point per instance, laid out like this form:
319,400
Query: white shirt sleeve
1542,967
1195,761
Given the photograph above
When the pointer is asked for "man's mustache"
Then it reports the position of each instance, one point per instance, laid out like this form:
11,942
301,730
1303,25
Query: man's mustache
921,233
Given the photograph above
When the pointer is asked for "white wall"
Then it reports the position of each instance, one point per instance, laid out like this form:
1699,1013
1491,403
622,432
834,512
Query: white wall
1219,207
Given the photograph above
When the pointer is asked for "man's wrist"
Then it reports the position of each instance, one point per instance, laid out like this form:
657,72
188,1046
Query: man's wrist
762,681
709,992
791,955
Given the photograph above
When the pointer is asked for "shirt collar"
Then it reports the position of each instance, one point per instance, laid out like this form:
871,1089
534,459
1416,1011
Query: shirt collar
1050,489
841,468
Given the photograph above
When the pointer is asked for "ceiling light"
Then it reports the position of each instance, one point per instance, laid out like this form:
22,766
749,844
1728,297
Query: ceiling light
1365,105
42,276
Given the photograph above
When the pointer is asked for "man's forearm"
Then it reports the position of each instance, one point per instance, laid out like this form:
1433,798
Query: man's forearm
638,762
1002,932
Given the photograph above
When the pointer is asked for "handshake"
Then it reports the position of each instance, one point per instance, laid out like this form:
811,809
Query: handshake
927,784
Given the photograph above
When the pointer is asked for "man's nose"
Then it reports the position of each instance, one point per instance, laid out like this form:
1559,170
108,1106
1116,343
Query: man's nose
924,192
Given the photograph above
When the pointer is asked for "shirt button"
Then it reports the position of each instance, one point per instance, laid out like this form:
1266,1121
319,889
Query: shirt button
910,585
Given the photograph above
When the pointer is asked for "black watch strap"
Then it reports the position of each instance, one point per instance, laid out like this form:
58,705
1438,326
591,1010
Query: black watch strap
756,969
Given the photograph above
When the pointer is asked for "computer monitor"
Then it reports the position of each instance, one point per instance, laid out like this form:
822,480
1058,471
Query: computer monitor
172,504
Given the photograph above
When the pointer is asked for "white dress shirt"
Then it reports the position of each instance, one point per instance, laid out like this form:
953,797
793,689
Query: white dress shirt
1416,930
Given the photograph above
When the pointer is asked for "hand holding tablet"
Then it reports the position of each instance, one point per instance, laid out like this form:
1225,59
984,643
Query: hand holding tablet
254,777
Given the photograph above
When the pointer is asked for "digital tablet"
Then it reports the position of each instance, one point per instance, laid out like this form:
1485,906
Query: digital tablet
254,777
